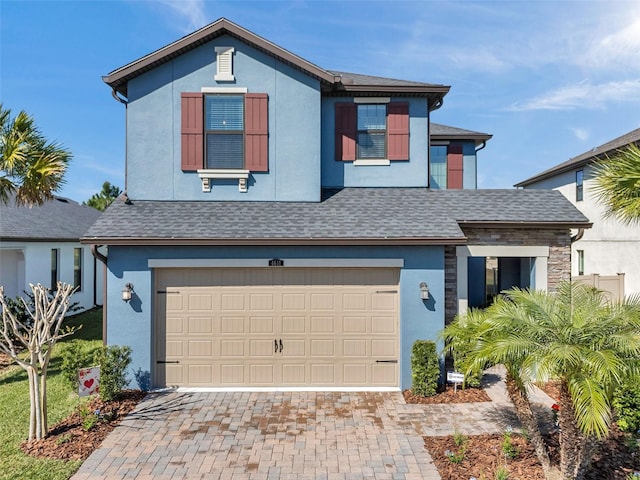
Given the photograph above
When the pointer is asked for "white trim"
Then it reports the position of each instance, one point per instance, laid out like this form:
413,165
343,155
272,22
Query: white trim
437,143
276,389
502,251
224,90
370,100
372,162
264,262
206,174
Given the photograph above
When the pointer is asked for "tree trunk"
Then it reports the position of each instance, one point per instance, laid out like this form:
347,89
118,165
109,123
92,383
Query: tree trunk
36,431
572,440
522,406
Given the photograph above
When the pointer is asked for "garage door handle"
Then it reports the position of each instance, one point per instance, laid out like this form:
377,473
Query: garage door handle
386,361
280,345
275,342
167,361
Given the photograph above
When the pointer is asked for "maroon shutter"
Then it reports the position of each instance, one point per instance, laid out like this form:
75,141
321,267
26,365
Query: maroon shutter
345,131
192,131
256,132
398,131
454,166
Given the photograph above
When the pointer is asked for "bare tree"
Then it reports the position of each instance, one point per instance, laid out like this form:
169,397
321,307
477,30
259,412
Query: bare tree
30,343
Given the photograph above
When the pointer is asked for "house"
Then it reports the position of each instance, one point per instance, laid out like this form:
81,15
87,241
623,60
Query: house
606,255
41,244
279,231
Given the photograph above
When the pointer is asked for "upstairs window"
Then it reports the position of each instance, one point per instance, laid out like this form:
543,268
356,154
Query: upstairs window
579,185
371,131
580,262
446,167
224,131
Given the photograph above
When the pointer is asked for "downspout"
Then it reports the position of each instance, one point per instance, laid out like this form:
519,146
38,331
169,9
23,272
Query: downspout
484,144
99,256
578,235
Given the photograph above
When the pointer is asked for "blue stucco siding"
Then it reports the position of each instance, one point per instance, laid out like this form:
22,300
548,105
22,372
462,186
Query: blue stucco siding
153,128
412,173
132,323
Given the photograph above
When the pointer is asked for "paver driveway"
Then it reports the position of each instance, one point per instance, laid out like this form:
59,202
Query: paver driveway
275,435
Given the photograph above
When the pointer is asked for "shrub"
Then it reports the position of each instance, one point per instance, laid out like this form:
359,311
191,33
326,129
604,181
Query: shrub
425,368
74,357
113,361
626,403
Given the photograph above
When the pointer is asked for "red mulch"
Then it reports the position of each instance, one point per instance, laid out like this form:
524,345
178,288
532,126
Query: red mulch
468,395
68,440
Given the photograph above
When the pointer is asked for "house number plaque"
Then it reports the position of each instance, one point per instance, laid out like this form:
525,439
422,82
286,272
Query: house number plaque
276,262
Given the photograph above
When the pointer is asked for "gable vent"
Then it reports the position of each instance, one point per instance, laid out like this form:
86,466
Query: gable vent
224,64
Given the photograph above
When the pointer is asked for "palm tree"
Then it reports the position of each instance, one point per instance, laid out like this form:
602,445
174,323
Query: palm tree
573,337
106,196
618,184
31,168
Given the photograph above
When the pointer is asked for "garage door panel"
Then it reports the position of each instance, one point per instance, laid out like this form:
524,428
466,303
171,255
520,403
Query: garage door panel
232,325
199,325
232,348
354,348
224,325
384,325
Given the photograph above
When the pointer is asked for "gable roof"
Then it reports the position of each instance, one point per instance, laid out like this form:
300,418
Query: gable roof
444,132
335,82
585,158
60,219
357,216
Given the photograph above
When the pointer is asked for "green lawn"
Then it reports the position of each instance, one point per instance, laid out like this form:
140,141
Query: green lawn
14,408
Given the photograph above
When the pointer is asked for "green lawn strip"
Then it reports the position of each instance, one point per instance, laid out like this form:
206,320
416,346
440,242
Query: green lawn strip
62,400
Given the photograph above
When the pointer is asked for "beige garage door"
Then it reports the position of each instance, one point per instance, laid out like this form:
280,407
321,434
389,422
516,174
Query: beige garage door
277,327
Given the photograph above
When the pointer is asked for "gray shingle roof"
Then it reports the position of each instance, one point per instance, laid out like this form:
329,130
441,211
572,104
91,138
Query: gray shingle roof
350,215
348,78
438,131
60,219
587,157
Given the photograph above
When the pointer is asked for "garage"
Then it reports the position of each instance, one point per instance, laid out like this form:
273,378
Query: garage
317,328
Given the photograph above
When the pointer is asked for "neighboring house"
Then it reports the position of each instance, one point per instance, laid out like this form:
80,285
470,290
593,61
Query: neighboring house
608,252
279,230
41,244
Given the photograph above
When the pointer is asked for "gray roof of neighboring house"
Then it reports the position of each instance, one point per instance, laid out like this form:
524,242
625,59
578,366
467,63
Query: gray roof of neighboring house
581,160
346,216
331,82
438,131
60,219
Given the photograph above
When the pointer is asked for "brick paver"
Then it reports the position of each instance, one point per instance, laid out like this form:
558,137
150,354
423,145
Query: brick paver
287,435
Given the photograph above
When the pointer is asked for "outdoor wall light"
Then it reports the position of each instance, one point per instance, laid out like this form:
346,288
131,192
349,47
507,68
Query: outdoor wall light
424,291
127,291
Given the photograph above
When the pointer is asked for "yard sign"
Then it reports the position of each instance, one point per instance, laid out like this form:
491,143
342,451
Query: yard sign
89,381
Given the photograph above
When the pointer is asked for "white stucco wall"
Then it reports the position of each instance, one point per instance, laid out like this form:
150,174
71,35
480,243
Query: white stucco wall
610,247
16,275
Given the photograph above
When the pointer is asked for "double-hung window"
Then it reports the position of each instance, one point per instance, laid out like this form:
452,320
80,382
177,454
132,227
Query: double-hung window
224,131
77,268
55,274
372,131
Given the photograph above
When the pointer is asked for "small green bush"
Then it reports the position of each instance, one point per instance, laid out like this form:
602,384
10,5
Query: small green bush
425,368
113,361
74,357
626,404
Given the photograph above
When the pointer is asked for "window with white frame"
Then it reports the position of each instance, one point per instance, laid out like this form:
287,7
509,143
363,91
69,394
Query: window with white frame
224,131
372,131
77,268
579,185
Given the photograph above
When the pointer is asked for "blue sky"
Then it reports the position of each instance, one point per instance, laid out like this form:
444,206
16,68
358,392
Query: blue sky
548,79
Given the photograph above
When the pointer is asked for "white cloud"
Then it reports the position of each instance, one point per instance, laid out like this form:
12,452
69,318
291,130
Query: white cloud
583,95
622,47
579,133
193,11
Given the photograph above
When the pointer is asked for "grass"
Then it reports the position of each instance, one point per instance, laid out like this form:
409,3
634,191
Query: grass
61,399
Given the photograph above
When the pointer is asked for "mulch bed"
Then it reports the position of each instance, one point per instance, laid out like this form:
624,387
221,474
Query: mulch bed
5,362
68,440
468,395
483,457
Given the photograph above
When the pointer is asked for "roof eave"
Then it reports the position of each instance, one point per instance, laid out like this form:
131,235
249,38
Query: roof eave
117,79
511,224
159,241
555,171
